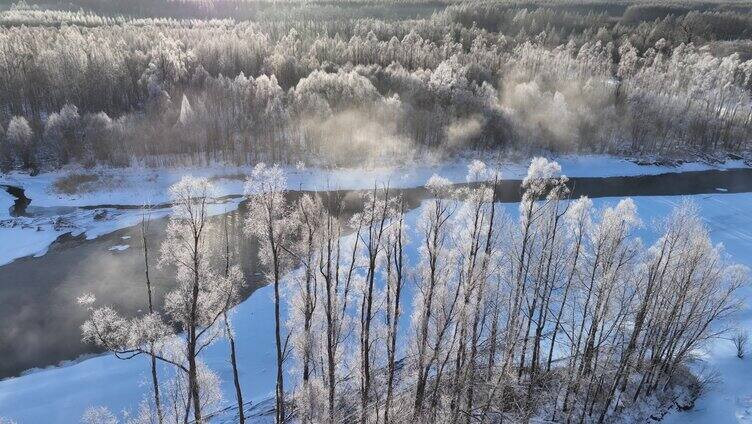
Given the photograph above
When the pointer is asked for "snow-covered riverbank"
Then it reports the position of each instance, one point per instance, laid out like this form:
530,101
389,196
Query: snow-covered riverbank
58,213
136,186
69,390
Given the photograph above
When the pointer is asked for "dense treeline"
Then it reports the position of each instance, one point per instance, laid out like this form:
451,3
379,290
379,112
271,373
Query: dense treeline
633,10
81,87
558,313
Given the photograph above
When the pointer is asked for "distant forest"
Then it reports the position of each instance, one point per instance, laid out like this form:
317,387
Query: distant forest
346,82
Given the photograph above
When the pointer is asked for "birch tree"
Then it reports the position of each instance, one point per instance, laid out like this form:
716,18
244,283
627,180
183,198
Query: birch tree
200,299
268,221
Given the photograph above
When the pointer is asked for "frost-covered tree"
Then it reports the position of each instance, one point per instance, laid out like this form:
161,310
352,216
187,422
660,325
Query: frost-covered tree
564,79
372,224
98,415
145,221
268,221
60,131
186,112
396,277
203,293
6,151
685,287
561,314
336,266
233,273
198,306
19,136
434,304
127,338
475,244
100,137
306,299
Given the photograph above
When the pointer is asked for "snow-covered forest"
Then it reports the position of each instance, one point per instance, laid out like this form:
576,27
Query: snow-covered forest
245,82
375,212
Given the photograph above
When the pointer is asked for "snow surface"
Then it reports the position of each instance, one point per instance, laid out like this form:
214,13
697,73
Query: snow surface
730,400
60,395
19,242
119,247
6,202
24,236
16,241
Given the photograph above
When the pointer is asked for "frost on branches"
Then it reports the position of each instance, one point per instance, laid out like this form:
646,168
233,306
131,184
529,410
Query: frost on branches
206,288
559,313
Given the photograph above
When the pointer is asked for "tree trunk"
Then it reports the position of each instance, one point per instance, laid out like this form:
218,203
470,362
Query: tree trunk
154,376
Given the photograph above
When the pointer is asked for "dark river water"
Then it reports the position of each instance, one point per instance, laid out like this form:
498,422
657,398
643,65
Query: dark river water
40,320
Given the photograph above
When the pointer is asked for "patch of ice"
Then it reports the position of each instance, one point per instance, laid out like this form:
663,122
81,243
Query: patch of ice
119,247
6,202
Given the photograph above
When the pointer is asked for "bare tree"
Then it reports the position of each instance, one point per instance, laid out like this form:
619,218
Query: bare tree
233,297
145,220
394,257
740,339
373,222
